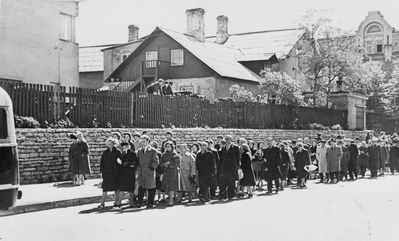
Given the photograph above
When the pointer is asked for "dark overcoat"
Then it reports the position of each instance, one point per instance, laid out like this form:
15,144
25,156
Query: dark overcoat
229,163
83,158
353,156
127,171
109,169
206,167
345,159
246,166
302,158
364,157
73,159
374,157
271,158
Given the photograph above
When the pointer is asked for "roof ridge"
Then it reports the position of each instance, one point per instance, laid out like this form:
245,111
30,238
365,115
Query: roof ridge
261,31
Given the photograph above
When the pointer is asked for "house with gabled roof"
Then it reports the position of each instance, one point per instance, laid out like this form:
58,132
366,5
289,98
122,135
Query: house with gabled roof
206,66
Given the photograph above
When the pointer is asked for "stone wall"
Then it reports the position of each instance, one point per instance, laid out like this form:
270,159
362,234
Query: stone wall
43,153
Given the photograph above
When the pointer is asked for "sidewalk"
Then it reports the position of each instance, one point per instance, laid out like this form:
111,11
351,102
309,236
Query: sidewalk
37,197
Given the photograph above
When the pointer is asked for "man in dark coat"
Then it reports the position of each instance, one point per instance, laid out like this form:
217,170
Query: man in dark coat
394,157
302,159
271,157
214,183
374,157
229,164
353,160
206,167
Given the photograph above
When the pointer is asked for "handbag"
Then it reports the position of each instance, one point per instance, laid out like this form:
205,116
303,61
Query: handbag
240,174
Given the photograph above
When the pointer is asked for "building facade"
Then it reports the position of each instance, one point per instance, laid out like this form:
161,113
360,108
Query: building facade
37,42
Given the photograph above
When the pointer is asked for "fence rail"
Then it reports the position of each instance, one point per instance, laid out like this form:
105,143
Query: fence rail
85,107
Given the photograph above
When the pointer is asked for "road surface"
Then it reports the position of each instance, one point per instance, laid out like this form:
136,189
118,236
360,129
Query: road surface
362,210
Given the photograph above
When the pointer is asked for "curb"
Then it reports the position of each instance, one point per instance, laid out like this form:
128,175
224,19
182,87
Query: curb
34,207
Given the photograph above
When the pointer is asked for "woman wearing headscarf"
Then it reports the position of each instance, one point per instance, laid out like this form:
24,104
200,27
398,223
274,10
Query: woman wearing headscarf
127,173
109,169
83,158
188,172
248,180
285,163
170,162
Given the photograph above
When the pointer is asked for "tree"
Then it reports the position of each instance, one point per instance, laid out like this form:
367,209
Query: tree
240,94
391,91
328,55
279,88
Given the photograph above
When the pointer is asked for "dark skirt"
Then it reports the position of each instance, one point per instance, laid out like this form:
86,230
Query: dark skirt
126,179
109,182
284,170
248,178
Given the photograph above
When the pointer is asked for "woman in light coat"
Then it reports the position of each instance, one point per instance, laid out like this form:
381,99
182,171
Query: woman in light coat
321,156
170,161
188,172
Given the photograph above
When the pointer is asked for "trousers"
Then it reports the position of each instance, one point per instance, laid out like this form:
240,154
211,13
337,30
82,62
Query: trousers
151,196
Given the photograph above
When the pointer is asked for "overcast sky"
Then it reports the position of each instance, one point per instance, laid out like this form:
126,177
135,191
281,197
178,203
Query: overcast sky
106,21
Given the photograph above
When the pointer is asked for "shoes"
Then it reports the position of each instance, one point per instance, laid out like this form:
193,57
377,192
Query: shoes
101,206
170,204
250,195
268,192
149,206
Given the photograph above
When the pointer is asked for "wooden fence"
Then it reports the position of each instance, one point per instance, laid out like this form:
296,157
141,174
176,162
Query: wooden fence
83,107
86,107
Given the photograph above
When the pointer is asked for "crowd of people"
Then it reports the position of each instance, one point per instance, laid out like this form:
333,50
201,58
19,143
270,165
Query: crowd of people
225,169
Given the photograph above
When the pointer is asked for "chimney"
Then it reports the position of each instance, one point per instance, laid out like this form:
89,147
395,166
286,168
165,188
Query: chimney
222,33
195,23
133,33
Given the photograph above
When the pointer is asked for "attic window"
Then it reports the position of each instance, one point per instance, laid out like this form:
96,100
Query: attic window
176,57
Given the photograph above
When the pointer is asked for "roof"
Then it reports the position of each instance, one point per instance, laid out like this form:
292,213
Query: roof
222,59
91,59
124,44
262,45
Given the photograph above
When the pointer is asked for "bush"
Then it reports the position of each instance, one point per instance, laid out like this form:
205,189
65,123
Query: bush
25,122
336,127
317,126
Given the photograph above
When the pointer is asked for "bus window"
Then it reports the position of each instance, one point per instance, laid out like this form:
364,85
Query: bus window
3,124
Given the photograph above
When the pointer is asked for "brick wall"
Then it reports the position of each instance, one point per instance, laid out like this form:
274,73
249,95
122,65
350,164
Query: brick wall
43,153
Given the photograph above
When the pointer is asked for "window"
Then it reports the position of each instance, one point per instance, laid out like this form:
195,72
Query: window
67,28
176,57
379,48
3,124
150,59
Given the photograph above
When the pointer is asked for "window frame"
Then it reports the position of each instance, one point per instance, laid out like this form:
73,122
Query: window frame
67,31
151,63
180,56
377,47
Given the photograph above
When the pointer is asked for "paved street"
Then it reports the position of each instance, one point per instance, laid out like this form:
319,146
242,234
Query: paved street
362,210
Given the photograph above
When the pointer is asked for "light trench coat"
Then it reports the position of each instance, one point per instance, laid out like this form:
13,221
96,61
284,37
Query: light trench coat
187,170
321,156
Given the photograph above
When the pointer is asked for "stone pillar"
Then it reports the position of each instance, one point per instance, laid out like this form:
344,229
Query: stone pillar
195,23
133,33
222,33
355,104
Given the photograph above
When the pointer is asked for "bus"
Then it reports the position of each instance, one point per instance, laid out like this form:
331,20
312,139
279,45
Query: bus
9,171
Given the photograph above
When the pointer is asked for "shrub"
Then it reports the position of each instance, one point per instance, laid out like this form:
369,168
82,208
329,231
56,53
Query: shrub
336,127
25,122
317,126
